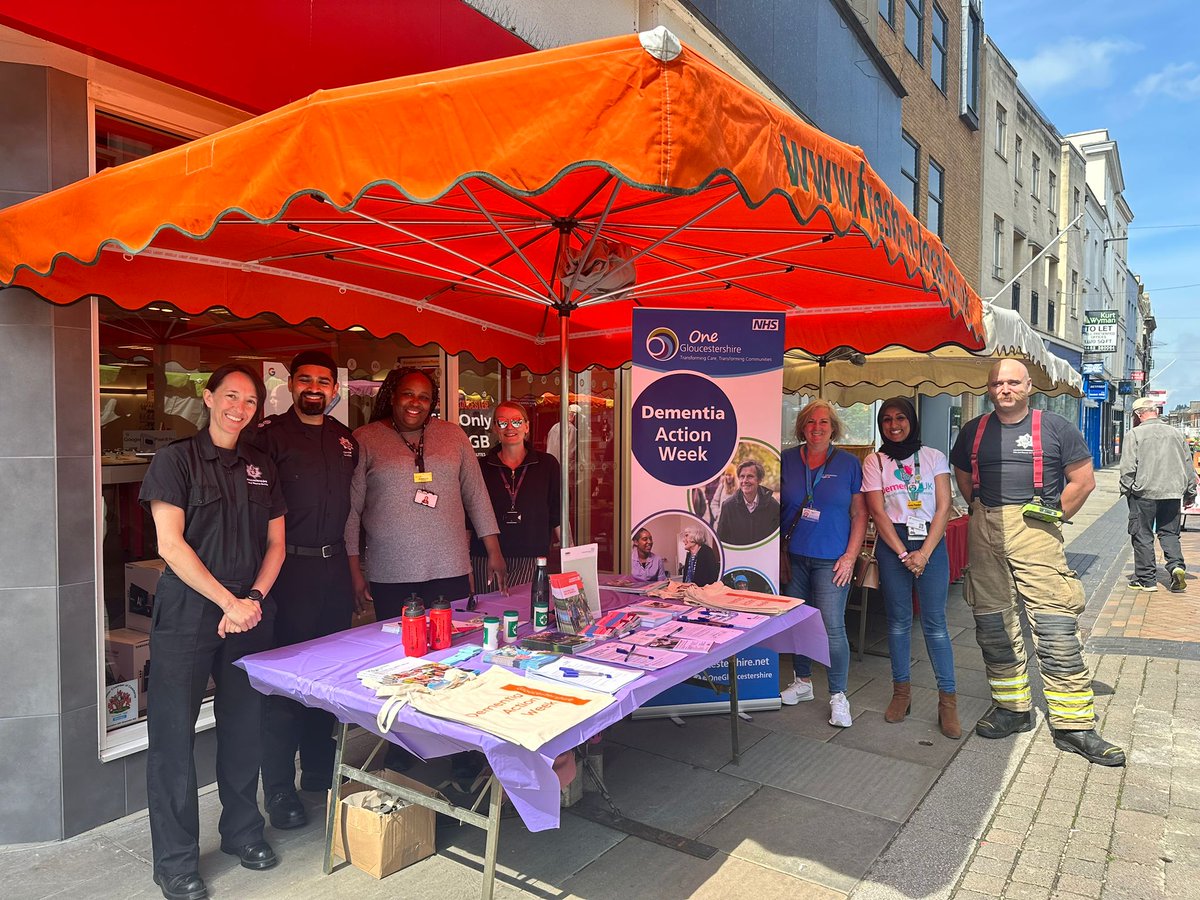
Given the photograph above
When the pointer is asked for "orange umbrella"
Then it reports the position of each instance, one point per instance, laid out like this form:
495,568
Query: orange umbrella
469,206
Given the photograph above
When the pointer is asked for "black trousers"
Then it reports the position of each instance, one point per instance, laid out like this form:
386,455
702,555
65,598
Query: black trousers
314,597
1145,518
184,651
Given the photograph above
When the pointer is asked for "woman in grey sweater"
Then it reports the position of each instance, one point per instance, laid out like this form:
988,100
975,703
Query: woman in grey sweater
416,483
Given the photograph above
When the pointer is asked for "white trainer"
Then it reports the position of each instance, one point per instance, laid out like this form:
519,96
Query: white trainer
839,711
796,692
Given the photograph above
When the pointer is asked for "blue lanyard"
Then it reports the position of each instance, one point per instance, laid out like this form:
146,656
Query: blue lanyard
810,484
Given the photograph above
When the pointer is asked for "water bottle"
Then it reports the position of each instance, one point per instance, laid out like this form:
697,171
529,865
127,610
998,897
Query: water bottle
441,628
413,628
540,595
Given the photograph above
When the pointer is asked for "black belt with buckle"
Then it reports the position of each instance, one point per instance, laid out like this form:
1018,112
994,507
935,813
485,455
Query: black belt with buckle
324,552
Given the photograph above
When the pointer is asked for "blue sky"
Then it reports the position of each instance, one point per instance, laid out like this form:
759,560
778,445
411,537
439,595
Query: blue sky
1133,68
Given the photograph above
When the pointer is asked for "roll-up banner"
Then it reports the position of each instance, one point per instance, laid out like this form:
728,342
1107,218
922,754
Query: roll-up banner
705,475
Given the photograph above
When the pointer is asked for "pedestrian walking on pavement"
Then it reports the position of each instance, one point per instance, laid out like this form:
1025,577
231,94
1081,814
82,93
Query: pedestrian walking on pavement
1024,472
1156,477
907,491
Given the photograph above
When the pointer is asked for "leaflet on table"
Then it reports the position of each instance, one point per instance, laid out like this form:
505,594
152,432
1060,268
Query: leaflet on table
688,631
584,673
722,617
718,596
627,584
513,657
514,707
669,642
614,624
411,673
628,654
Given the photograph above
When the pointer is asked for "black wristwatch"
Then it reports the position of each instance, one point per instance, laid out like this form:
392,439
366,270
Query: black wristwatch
255,595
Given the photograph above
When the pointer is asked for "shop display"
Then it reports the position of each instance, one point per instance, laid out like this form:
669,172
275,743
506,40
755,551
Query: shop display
141,584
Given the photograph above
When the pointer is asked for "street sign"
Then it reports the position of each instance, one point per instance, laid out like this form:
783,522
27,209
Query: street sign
1137,375
1100,330
1092,368
1124,387
1097,389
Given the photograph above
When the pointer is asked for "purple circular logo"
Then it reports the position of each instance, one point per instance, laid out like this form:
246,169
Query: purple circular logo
684,429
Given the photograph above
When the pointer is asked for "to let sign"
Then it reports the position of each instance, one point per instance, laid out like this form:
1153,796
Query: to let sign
1100,330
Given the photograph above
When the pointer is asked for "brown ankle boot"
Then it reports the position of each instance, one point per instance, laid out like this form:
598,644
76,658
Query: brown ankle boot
948,715
901,703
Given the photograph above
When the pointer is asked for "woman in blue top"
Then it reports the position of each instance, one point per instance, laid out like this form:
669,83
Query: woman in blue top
823,523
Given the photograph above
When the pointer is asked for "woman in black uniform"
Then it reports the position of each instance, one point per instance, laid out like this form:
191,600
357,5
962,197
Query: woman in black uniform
218,510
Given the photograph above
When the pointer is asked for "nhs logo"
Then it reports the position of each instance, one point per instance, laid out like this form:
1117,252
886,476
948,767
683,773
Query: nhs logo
764,324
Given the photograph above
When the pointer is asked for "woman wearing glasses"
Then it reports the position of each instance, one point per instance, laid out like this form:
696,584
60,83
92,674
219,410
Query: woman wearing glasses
524,486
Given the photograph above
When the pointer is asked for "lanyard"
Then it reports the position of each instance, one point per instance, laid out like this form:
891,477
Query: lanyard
811,482
513,486
418,449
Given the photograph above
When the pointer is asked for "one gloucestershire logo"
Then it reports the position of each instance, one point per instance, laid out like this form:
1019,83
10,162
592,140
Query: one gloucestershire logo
662,344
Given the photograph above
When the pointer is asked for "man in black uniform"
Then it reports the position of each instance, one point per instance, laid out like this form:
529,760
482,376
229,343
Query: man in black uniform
316,456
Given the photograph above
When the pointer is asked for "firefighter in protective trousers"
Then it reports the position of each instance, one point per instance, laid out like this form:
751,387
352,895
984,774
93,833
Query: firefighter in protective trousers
1024,472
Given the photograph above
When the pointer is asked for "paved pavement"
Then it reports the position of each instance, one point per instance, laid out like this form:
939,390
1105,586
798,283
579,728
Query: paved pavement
873,811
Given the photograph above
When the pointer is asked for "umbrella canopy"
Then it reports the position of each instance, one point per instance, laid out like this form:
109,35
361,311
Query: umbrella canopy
470,206
851,377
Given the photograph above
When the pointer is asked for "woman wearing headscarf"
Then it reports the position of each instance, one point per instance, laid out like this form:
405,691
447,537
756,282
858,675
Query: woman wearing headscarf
907,487
823,524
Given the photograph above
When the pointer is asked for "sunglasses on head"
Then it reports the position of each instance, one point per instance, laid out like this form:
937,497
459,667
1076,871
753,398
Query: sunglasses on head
506,423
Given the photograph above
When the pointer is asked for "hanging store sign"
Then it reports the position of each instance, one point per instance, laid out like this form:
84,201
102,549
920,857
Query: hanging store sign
1097,389
1092,368
1100,330
1137,375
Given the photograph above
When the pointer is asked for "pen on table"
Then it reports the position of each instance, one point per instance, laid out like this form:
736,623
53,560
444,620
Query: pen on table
575,673
633,651
708,622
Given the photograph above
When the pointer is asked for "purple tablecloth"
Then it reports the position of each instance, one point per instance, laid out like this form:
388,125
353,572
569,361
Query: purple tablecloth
322,673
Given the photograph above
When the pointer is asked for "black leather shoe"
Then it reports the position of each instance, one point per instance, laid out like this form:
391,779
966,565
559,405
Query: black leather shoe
189,886
257,855
1090,746
1000,722
286,810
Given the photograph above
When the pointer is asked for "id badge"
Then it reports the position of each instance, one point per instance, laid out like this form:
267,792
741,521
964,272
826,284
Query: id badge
425,498
512,517
918,528
813,515
422,477
915,504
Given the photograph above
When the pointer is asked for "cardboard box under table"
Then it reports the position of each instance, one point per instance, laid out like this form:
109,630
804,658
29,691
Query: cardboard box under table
383,843
322,673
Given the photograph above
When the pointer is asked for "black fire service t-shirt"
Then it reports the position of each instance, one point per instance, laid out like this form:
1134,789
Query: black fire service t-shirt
1006,458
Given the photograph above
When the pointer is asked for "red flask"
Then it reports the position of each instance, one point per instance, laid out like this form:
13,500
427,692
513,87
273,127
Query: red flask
441,629
414,630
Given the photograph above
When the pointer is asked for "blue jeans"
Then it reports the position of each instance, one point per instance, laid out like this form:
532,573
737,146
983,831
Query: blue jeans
897,583
812,581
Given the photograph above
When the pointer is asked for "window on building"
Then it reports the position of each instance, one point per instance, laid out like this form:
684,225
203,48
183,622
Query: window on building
1016,297
998,247
935,194
1050,316
1075,204
1017,152
909,162
1052,192
914,28
1001,130
1073,297
973,41
940,31
1033,308
1035,179
887,10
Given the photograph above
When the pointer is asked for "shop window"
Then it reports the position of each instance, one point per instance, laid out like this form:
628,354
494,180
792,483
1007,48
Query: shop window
120,140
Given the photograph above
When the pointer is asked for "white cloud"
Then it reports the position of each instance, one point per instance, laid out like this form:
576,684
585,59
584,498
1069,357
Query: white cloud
1179,81
1070,64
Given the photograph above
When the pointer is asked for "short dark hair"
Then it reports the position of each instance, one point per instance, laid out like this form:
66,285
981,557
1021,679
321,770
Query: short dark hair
314,358
222,372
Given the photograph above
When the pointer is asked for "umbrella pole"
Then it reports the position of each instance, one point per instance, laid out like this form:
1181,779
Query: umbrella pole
564,399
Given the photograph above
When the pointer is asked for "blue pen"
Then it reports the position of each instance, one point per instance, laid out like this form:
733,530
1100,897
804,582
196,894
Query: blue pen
575,673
